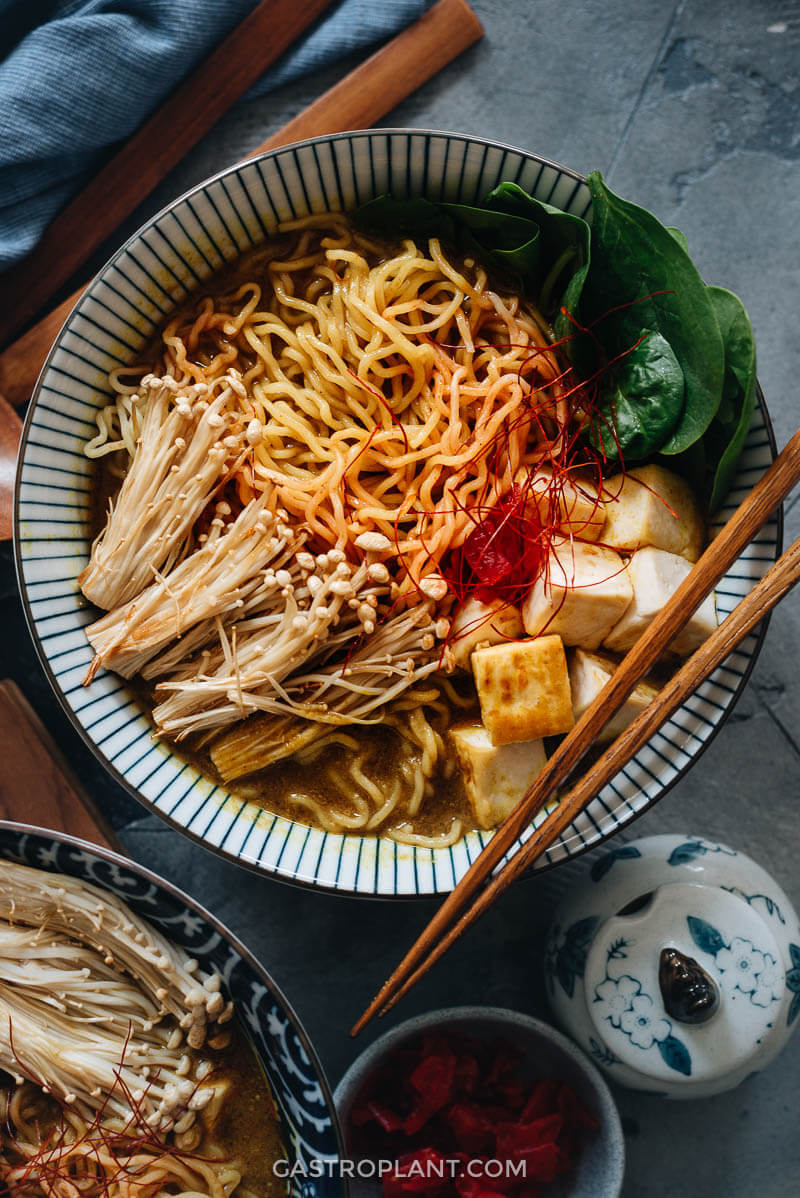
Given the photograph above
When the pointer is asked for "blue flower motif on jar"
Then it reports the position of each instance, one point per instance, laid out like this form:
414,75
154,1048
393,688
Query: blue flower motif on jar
615,996
643,1025
743,968
622,1002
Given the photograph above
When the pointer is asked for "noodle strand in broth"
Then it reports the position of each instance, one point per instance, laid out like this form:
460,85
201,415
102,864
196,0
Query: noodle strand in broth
375,398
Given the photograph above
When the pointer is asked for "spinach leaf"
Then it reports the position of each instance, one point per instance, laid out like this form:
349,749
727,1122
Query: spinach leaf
727,434
539,246
644,402
415,217
513,241
679,237
639,264
564,244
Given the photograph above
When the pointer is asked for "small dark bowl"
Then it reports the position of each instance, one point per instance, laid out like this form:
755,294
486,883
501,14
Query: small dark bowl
597,1171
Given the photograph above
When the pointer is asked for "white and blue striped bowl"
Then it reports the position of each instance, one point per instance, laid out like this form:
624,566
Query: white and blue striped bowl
119,311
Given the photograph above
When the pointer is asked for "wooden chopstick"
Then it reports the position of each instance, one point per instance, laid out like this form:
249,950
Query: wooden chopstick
386,78
362,97
771,489
775,584
37,785
158,145
10,433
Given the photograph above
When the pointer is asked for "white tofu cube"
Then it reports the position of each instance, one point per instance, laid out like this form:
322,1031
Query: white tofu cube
495,776
653,506
655,576
580,597
523,689
571,504
699,628
477,623
588,674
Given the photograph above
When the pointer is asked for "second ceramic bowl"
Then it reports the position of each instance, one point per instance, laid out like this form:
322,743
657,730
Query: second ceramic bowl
309,1128
597,1171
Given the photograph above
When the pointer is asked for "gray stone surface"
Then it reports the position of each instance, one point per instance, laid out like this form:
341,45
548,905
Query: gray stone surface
693,109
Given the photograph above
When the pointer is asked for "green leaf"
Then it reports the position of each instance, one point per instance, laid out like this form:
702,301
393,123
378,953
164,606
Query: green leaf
727,434
638,263
645,401
392,218
564,243
514,242
679,237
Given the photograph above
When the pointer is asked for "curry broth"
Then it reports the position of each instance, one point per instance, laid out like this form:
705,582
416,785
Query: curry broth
247,1130
274,787
249,1126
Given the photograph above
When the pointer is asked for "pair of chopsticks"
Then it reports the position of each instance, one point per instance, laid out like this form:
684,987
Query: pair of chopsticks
479,888
145,159
368,93
365,95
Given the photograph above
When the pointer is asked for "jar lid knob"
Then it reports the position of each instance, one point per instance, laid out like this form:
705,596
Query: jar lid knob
689,994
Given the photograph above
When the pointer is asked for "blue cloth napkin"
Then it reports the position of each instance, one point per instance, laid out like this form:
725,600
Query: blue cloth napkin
77,76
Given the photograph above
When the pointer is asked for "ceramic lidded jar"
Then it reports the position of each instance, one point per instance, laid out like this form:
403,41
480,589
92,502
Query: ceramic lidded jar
676,965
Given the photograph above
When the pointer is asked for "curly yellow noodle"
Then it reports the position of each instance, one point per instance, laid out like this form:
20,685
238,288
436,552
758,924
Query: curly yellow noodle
86,1164
395,391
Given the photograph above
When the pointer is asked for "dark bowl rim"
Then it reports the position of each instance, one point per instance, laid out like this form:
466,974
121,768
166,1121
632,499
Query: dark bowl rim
502,1018
265,978
109,768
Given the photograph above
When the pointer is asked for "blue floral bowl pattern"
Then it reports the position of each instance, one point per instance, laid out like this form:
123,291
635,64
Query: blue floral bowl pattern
721,910
118,313
298,1084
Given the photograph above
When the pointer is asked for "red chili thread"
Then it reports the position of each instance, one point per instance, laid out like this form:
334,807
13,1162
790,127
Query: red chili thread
50,1164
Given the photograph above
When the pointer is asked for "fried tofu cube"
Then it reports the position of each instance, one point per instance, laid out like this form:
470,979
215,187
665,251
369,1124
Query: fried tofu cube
653,506
523,689
655,575
588,674
581,595
215,1093
571,504
477,623
495,776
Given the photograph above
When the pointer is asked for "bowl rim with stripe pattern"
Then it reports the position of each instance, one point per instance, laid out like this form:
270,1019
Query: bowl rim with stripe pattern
172,252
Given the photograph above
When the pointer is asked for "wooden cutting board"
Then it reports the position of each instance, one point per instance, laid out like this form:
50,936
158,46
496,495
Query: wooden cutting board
37,785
